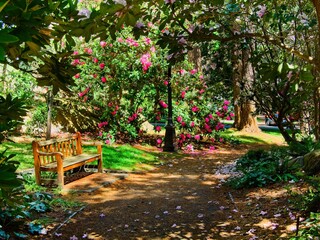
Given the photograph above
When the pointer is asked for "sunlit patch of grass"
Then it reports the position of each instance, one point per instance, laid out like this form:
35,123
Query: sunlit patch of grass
126,157
23,152
251,138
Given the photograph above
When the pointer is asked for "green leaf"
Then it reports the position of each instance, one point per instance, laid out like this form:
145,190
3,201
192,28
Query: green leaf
114,8
218,2
2,53
7,38
4,5
130,19
306,76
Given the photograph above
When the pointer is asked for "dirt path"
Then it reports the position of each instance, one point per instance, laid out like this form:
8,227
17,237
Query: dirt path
183,199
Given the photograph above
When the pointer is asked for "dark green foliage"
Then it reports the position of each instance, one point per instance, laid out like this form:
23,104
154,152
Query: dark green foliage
304,146
260,167
12,111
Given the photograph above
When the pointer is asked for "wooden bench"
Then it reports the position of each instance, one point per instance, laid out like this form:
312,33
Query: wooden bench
61,155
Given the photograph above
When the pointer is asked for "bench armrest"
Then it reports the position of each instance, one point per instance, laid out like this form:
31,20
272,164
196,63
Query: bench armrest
95,143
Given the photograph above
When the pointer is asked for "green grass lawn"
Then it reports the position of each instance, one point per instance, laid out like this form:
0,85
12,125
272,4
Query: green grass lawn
123,157
126,157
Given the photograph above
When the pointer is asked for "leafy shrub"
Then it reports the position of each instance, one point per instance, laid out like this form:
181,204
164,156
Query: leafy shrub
311,228
304,146
260,167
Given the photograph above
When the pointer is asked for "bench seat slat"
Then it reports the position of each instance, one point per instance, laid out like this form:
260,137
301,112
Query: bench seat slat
74,160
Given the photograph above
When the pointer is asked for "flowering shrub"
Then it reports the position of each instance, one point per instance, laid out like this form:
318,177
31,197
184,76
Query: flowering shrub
124,81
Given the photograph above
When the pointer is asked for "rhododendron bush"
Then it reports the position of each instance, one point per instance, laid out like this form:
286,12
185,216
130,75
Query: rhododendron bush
124,81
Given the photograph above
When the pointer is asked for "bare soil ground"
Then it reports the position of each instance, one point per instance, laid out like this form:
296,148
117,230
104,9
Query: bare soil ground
184,198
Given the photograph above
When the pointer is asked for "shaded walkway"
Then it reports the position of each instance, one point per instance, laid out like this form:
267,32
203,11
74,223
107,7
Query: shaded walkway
182,199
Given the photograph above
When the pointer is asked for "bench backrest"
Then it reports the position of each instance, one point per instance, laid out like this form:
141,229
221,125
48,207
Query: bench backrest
70,146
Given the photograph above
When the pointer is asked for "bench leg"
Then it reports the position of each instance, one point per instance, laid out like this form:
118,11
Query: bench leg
100,165
60,172
37,175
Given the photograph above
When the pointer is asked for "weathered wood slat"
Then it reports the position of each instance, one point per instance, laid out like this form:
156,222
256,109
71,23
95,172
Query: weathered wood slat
61,155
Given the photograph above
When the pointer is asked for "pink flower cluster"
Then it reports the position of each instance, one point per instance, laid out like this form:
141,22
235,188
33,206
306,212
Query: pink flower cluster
81,94
132,42
158,128
145,61
163,104
132,117
102,124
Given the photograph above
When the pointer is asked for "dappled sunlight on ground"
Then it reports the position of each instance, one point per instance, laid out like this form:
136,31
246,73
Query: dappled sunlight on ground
183,198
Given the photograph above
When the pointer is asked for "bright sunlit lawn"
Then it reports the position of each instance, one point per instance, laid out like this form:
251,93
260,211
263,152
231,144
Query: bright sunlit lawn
123,157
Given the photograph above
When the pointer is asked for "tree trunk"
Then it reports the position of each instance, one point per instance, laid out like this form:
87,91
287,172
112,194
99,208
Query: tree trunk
316,94
194,56
243,75
49,117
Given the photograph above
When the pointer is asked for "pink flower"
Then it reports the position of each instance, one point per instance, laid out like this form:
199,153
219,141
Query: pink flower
77,75
225,108
193,71
182,71
153,49
88,50
197,137
94,75
183,124
108,141
132,42
158,117
188,135
95,60
102,124
201,77
103,44
102,65
182,137
158,128
231,114
189,148
163,104
75,53
103,79
194,109
120,40
145,61
183,94
226,102
211,148
81,94
159,141
147,41
228,118
207,128
219,126
75,62
179,119
192,124
207,120
150,24
201,91
221,140
166,82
